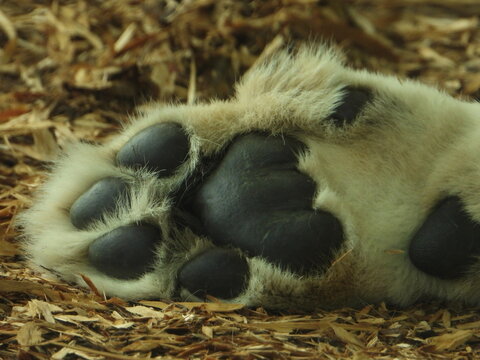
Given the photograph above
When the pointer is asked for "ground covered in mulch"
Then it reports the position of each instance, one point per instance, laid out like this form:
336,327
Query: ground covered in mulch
74,70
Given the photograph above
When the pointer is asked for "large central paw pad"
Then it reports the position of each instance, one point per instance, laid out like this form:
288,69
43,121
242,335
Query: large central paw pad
258,201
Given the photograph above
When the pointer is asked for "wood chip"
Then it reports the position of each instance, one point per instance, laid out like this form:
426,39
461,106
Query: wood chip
346,336
29,334
449,341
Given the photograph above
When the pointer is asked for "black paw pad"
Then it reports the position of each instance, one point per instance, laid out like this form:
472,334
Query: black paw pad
126,252
447,243
352,103
101,198
258,201
218,272
161,148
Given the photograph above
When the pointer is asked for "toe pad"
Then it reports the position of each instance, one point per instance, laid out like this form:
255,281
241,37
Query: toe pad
101,198
126,252
161,148
218,272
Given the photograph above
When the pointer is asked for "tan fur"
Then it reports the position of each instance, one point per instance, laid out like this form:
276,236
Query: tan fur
409,148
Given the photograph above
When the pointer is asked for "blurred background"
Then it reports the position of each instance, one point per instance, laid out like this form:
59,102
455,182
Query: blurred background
72,69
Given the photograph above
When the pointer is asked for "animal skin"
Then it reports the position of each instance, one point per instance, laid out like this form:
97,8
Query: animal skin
315,186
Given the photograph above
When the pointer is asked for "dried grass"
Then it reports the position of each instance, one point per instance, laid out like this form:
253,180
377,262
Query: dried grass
75,69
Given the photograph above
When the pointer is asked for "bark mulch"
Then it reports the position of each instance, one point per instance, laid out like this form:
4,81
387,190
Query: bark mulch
74,70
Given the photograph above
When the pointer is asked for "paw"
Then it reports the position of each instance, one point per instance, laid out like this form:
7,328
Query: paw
199,224
316,186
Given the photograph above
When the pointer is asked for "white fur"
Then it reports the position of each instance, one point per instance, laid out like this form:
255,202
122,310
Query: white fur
410,147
